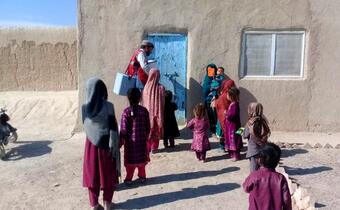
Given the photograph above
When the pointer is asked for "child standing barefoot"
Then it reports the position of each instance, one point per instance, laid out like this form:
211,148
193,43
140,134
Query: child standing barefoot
256,131
200,126
134,131
233,142
170,124
268,190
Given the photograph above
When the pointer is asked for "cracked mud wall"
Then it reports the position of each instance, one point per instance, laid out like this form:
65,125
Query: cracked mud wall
38,59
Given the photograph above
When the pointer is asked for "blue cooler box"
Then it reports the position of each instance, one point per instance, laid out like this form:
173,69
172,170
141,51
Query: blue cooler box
123,83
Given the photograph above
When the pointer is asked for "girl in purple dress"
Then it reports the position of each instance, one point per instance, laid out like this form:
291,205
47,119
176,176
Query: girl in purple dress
233,141
134,132
200,126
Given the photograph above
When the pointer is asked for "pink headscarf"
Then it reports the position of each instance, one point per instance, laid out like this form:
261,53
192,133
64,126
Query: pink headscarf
153,100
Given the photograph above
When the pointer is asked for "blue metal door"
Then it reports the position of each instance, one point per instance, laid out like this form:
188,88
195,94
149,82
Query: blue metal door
170,52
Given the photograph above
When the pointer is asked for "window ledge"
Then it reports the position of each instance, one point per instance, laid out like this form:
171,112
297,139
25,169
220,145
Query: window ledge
295,78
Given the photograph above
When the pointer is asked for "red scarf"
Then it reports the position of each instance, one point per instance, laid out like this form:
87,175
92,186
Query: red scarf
222,103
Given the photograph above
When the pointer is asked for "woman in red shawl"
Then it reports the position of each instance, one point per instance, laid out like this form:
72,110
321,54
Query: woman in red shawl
153,100
221,105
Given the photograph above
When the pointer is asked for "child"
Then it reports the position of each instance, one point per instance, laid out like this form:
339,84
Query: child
233,142
216,83
200,126
220,75
256,131
221,105
101,167
135,128
170,124
268,189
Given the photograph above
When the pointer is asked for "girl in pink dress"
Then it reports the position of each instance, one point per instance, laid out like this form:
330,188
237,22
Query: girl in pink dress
200,127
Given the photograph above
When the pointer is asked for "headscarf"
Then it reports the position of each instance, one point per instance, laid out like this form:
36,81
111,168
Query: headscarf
153,100
98,114
207,82
222,103
257,123
96,94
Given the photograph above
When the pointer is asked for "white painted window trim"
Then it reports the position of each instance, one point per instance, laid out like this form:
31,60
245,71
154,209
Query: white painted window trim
273,55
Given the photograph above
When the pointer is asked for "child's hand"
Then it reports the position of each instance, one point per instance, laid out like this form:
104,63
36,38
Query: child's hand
213,103
121,142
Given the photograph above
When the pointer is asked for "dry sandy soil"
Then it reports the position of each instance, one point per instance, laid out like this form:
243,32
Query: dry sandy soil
43,170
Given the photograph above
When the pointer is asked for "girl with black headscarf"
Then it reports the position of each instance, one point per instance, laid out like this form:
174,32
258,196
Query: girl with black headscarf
101,167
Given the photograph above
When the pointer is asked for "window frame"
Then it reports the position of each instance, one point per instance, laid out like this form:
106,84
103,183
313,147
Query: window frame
273,55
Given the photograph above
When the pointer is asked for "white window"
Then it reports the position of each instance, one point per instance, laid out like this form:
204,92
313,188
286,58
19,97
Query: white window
272,54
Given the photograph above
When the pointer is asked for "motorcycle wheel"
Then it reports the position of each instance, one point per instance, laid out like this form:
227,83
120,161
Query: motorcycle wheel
2,151
14,137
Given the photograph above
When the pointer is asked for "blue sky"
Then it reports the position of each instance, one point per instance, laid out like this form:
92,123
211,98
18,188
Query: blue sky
42,13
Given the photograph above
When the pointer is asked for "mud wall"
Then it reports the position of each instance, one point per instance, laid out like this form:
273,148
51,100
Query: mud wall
109,31
39,59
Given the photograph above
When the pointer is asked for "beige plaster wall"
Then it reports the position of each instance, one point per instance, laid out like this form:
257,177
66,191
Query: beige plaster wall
109,31
40,59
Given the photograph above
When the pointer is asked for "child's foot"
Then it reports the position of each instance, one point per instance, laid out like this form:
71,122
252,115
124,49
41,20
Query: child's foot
97,207
142,180
172,146
128,183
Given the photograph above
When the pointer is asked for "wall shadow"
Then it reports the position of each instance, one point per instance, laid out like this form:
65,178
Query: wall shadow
177,91
195,96
246,97
306,171
223,156
292,152
28,149
184,194
319,205
185,133
184,147
178,148
192,94
185,176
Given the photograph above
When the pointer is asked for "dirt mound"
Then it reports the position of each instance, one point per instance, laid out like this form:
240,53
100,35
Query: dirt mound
41,115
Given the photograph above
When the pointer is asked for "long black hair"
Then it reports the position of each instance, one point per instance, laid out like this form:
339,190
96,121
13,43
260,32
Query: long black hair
134,96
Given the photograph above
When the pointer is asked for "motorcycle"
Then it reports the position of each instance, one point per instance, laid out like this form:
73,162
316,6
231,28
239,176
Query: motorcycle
7,132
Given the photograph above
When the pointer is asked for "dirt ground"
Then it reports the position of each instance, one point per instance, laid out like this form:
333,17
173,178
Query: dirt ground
43,170
318,171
